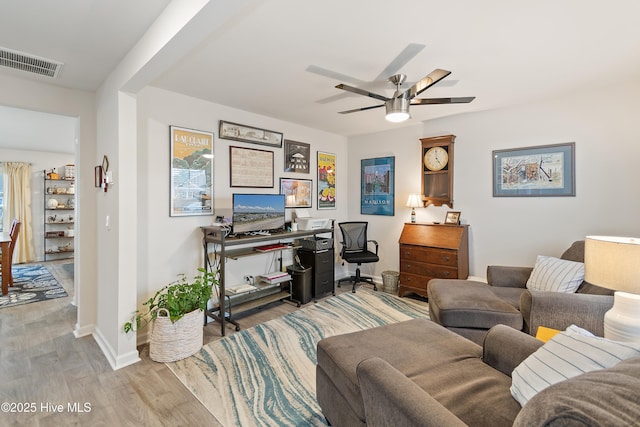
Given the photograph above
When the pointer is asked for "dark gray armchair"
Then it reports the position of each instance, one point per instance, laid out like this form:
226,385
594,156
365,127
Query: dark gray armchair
505,299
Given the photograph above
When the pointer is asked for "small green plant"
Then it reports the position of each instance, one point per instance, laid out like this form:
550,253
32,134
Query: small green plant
178,298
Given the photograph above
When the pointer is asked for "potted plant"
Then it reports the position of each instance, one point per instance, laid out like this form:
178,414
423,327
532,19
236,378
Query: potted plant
176,312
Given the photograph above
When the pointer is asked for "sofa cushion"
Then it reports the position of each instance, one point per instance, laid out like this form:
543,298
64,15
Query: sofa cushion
509,295
607,397
566,355
439,361
555,275
469,304
338,356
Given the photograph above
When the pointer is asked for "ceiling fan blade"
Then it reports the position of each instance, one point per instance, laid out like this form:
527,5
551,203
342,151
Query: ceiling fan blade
407,54
334,75
432,78
431,101
355,110
361,92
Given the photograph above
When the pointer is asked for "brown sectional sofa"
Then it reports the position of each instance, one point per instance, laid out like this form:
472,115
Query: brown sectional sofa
418,373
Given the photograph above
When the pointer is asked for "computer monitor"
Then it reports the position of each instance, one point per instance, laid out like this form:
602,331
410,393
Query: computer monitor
258,212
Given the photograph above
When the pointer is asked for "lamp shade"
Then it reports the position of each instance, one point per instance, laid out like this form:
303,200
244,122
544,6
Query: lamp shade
291,200
414,201
613,262
397,109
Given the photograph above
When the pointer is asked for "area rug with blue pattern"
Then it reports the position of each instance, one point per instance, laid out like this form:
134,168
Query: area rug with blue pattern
265,375
31,283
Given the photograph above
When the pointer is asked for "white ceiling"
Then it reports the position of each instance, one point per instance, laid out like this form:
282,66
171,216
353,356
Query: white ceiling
282,58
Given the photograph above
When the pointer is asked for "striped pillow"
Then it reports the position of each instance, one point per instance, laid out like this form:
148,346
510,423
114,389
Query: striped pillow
556,275
567,355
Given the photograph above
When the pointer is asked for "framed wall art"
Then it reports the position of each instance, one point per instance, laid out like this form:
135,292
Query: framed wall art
298,192
297,156
326,180
249,167
546,170
191,172
244,133
453,217
377,181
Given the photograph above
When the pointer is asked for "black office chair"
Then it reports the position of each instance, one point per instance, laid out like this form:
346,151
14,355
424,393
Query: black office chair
355,250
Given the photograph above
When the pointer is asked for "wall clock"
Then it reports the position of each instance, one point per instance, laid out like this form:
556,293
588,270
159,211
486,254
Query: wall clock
437,170
436,158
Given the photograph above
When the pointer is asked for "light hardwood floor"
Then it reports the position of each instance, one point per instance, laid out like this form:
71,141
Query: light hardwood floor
42,366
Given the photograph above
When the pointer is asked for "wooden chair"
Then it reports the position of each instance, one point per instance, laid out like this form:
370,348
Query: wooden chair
13,233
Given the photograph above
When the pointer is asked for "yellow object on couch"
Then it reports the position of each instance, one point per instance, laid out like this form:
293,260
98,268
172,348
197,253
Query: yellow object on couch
545,334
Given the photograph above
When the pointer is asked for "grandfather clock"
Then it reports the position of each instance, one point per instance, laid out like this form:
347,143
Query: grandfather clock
437,170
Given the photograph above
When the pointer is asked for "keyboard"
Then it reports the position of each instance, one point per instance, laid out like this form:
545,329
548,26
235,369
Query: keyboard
273,247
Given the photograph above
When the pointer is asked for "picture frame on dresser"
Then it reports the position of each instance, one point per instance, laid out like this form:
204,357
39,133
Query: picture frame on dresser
452,217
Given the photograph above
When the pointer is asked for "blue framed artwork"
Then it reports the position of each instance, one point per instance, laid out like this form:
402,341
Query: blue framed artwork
546,170
377,183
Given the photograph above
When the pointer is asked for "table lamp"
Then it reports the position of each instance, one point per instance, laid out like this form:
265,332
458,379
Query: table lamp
414,202
614,263
291,201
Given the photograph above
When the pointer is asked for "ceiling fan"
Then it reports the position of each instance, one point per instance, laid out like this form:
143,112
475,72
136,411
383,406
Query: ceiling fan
398,105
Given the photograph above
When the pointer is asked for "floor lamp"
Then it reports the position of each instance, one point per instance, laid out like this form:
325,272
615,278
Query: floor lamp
614,263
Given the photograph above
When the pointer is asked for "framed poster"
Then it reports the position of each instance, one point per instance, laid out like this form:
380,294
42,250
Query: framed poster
377,184
237,132
298,192
546,170
297,156
249,167
326,180
191,172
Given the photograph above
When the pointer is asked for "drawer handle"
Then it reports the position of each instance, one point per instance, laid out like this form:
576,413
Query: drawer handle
446,258
446,273
408,266
408,253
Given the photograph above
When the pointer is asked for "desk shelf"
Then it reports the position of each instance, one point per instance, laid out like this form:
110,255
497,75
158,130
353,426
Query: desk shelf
216,236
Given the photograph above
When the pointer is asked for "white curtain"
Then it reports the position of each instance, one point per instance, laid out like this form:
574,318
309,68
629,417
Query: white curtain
17,204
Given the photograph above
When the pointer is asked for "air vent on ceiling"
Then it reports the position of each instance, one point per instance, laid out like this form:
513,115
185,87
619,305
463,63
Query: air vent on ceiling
29,63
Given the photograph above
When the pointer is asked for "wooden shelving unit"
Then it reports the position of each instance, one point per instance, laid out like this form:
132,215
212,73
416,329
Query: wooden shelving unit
59,217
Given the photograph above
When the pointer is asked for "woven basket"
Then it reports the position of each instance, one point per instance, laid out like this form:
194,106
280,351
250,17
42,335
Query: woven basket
175,341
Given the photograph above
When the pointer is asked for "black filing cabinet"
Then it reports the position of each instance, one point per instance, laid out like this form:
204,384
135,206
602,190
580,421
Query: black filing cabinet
322,274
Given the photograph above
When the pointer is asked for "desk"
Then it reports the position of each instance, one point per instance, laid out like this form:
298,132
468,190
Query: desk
7,278
216,235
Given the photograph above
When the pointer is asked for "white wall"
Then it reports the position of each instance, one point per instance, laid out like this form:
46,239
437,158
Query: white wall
43,97
513,231
169,246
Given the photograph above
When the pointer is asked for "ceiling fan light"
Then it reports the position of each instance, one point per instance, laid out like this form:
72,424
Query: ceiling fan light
397,110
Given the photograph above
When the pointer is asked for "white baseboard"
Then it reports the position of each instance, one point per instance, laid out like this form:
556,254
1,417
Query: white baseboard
116,362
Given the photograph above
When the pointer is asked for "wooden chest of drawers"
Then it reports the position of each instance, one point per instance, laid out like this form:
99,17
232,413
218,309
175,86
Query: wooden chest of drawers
429,251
